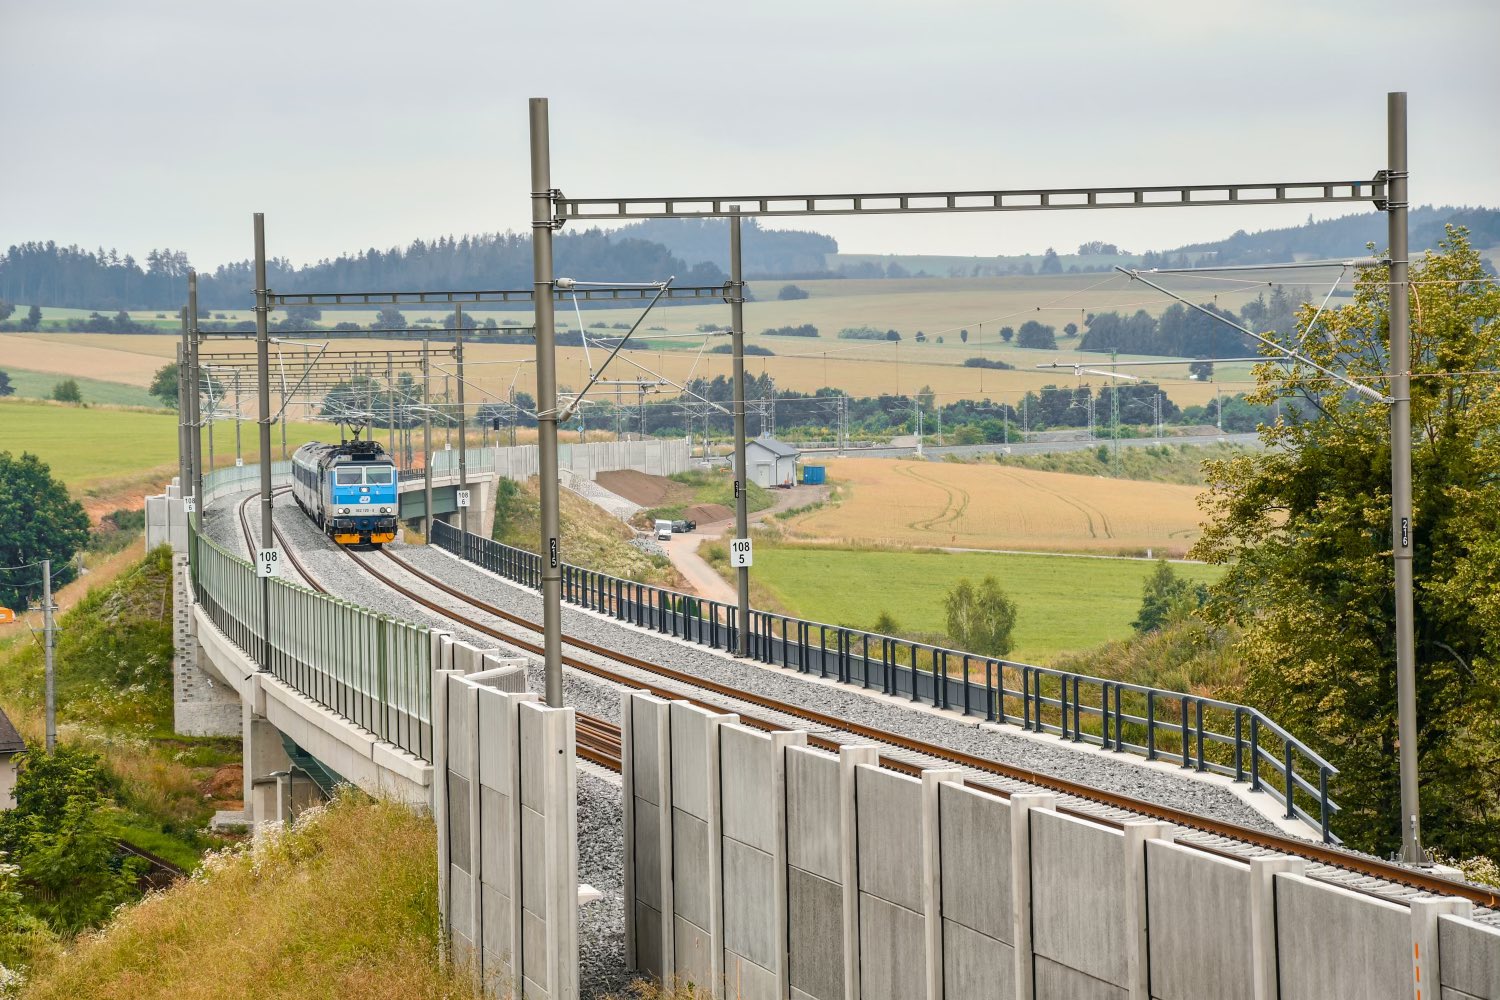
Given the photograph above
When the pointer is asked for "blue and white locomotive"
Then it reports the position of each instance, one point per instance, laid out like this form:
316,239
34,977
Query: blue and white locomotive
349,490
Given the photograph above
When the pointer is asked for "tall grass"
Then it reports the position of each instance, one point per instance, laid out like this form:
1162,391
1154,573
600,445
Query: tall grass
342,905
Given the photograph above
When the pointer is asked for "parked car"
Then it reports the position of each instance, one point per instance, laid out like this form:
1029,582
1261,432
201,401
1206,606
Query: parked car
684,525
663,531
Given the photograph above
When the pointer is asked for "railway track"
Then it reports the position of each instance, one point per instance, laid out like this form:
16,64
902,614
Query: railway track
599,742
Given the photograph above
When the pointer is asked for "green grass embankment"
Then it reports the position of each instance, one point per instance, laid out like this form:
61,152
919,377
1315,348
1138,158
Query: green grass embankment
344,905
590,537
114,697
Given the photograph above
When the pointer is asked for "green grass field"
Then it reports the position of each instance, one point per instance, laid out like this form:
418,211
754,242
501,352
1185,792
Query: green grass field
1064,603
87,445
39,385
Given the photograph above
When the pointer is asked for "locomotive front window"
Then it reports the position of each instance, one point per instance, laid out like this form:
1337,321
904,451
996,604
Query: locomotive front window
378,477
347,478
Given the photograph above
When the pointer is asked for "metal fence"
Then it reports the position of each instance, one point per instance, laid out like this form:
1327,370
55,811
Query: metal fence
240,478
1199,734
369,668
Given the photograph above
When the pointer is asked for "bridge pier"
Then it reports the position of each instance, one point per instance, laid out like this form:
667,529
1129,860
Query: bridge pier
264,758
201,704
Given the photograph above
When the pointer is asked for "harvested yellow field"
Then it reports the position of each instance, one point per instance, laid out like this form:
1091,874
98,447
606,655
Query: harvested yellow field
859,368
899,502
97,356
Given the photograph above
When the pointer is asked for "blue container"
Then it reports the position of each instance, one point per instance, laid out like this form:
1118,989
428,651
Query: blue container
813,475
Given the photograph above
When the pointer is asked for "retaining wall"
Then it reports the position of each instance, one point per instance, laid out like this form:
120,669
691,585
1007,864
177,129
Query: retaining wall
758,867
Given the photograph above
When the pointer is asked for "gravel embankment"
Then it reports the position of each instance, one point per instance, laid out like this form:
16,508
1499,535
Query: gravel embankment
1122,775
601,925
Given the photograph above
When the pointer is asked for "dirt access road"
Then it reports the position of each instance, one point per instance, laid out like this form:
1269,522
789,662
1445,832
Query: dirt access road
702,578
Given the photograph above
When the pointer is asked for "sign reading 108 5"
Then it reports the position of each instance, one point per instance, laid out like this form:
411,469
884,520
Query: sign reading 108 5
268,562
740,553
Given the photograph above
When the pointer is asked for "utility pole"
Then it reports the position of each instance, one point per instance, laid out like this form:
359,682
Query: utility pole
426,442
239,453
463,420
49,643
546,396
390,402
1401,515
741,478
195,419
184,443
263,393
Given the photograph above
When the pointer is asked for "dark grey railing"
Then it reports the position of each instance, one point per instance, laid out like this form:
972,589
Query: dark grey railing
1199,734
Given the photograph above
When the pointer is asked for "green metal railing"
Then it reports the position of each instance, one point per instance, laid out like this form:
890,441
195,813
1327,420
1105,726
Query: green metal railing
371,669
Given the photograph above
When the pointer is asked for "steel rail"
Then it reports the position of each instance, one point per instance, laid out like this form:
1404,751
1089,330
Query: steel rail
598,741
1323,854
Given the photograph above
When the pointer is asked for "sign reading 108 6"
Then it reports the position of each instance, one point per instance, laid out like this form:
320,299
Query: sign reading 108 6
740,553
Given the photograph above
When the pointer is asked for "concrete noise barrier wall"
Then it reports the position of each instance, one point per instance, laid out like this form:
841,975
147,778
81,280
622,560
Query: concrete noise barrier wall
758,868
505,798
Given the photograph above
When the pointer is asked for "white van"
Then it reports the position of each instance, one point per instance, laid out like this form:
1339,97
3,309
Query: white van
663,530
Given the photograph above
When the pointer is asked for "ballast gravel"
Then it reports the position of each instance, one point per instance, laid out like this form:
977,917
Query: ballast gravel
601,924
1124,775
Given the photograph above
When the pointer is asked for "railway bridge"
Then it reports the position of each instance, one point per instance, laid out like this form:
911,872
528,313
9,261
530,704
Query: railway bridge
832,821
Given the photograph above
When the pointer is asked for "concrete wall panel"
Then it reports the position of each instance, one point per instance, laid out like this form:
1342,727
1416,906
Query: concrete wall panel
690,759
647,853
1470,955
644,720
694,952
1078,896
812,807
975,860
816,940
890,836
1371,959
975,966
892,960
1059,982
744,980
690,875
1199,913
747,769
749,926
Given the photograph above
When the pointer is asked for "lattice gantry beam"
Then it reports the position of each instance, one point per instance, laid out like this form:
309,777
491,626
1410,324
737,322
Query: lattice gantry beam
932,202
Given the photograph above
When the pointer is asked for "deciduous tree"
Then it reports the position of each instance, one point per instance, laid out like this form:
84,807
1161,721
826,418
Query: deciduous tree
38,520
980,619
1304,526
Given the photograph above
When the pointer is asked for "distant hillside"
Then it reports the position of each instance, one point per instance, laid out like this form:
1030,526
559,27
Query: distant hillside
768,253
1342,237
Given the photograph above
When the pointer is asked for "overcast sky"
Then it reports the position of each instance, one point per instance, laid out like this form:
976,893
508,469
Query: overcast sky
150,124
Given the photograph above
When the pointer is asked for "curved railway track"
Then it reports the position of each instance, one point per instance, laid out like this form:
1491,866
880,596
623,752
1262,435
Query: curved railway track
599,742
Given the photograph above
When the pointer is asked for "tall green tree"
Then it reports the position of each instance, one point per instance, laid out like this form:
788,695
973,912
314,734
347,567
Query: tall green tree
980,618
1304,526
67,391
38,520
164,385
6,389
